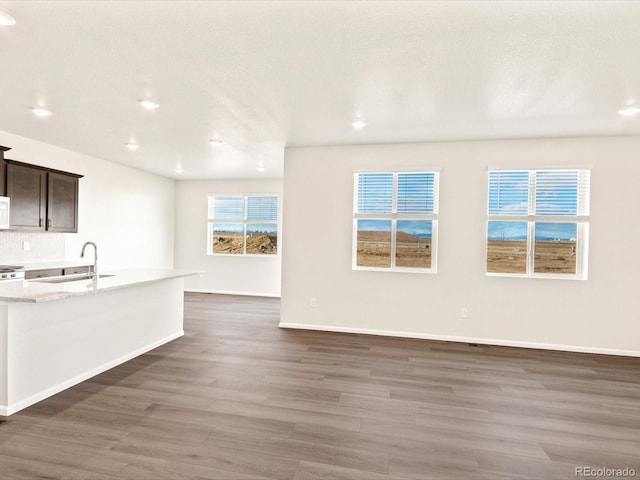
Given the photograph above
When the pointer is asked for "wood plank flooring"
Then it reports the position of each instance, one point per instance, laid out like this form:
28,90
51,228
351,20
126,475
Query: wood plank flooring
239,398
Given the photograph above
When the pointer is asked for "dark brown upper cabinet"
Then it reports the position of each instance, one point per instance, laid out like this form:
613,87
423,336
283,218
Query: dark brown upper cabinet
41,198
3,173
27,189
62,202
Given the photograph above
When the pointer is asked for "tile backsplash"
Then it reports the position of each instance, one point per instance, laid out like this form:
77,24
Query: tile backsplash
43,247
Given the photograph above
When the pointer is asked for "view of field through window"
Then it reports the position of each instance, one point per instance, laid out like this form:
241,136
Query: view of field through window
553,244
554,248
248,226
412,196
261,239
413,243
507,247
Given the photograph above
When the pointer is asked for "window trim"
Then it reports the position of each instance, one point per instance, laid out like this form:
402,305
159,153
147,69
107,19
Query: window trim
244,223
394,217
581,220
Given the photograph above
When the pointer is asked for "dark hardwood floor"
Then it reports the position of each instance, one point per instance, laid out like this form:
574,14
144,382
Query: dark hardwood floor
239,398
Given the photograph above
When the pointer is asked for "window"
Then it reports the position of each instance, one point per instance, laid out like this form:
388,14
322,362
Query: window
395,221
243,225
538,223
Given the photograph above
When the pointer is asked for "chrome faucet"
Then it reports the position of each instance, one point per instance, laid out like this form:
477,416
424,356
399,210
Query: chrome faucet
93,275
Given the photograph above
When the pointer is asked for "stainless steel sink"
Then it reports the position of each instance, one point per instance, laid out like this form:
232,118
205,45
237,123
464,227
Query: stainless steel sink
69,278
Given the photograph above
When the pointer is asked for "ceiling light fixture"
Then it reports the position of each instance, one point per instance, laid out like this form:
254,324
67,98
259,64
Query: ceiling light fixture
178,169
359,124
6,20
216,142
133,146
629,110
261,168
41,112
149,104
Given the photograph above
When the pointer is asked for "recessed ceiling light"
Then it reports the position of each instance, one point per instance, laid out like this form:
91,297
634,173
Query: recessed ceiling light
6,20
216,142
41,112
133,146
178,169
629,110
359,124
149,104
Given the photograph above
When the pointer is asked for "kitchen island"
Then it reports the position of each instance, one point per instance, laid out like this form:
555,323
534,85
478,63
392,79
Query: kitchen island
56,335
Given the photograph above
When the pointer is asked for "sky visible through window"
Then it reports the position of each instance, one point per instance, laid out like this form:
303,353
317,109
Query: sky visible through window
251,228
415,195
417,228
556,194
232,209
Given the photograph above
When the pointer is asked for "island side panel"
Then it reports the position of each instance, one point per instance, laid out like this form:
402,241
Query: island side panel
57,344
4,401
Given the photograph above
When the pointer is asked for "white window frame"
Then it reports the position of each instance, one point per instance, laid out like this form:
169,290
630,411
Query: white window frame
394,216
581,219
244,222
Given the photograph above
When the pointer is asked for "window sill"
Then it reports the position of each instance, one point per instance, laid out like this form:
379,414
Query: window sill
539,276
243,255
395,270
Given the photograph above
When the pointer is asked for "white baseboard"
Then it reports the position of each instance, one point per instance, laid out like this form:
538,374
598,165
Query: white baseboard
226,292
6,410
452,338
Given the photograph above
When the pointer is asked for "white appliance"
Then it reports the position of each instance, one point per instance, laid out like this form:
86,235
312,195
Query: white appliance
11,272
4,213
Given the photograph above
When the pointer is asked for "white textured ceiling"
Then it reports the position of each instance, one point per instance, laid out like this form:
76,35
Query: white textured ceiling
265,75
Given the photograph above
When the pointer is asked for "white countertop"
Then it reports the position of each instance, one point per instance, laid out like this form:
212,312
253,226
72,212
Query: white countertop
37,291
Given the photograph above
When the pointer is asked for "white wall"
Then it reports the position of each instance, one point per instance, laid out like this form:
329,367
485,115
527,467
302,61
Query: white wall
601,314
250,275
127,212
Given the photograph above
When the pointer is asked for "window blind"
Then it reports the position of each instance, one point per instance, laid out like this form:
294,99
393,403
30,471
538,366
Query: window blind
262,208
374,193
228,208
509,192
562,192
417,193
539,192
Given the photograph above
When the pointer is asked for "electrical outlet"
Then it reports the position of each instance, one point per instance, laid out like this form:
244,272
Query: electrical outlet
464,312
313,303
26,246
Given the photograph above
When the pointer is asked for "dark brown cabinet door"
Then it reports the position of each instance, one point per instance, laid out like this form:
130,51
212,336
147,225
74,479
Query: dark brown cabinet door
62,205
3,172
27,188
